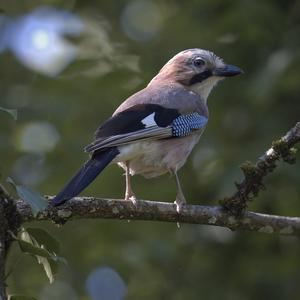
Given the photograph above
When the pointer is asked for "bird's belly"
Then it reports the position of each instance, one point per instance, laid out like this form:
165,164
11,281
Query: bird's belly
154,158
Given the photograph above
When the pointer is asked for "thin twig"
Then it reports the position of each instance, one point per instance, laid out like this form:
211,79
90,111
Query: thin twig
254,174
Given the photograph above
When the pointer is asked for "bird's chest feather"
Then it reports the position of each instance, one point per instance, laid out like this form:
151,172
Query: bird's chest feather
154,158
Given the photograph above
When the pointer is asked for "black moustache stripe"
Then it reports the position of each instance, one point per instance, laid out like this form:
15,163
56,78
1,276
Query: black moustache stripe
200,77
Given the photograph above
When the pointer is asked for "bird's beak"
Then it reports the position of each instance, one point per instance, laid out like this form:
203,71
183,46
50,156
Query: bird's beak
227,71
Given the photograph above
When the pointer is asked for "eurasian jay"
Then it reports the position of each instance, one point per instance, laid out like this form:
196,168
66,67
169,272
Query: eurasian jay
154,131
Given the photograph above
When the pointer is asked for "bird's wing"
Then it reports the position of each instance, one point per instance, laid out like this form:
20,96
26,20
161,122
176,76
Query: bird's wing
144,122
153,133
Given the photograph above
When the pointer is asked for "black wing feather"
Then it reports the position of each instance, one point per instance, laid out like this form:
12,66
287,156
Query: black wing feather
130,120
128,126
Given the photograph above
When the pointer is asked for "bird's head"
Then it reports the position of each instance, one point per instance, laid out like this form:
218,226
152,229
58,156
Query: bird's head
198,70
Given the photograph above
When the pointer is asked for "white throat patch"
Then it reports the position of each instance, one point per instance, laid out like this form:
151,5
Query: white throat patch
204,88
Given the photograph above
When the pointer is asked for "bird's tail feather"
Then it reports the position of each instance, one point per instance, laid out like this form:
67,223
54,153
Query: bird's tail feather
91,169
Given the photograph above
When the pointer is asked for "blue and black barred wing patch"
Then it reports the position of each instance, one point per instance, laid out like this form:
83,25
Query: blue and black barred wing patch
185,124
182,125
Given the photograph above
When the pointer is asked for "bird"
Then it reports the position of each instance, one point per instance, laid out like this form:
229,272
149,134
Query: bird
154,131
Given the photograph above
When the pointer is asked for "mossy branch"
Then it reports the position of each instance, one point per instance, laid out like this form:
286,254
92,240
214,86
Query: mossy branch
254,174
95,208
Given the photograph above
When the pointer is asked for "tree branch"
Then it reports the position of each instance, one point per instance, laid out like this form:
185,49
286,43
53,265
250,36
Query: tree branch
254,174
9,222
3,229
95,208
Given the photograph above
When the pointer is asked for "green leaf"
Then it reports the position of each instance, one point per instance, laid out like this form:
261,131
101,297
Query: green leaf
12,112
44,238
36,201
33,242
50,267
34,250
20,297
61,259
25,236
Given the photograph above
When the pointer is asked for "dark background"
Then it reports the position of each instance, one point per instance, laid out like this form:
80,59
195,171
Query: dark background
158,260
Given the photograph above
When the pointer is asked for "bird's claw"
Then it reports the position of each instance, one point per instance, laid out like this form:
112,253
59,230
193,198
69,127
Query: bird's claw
180,203
132,198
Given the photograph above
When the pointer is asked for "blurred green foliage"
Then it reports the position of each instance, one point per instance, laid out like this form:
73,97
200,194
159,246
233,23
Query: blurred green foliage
157,260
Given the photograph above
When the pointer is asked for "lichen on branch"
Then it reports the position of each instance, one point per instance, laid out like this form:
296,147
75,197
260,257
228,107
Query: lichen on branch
252,184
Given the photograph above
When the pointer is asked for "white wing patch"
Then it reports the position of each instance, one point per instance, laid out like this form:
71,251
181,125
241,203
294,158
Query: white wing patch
149,120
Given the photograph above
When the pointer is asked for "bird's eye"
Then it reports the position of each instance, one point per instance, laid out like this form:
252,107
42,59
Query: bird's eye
199,62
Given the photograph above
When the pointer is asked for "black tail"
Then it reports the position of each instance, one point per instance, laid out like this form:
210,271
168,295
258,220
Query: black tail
91,169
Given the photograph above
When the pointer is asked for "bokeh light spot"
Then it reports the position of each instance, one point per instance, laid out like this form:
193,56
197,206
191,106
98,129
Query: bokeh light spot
41,39
38,39
38,137
141,20
105,283
29,169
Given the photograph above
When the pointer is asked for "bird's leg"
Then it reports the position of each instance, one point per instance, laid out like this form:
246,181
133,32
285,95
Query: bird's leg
180,199
129,194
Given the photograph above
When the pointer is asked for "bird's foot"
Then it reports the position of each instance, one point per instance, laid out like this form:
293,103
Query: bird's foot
180,203
132,198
